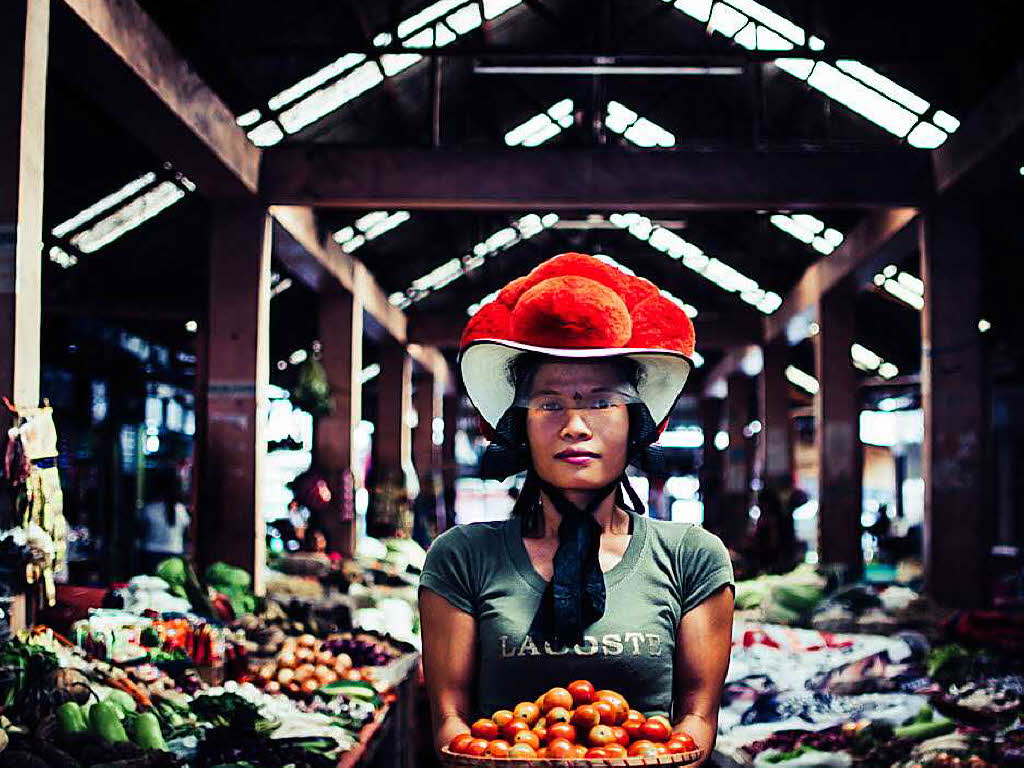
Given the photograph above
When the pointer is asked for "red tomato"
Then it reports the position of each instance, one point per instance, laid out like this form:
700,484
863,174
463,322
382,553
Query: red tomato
618,701
605,710
621,736
557,715
528,711
514,727
633,724
477,747
502,717
582,691
600,735
580,751
585,717
460,742
484,729
541,731
660,748
556,697
615,750
528,737
595,753
559,749
542,753
642,748
498,748
522,752
655,729
685,740
565,731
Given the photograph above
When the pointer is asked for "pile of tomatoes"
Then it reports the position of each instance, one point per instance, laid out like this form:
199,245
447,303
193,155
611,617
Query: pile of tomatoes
575,722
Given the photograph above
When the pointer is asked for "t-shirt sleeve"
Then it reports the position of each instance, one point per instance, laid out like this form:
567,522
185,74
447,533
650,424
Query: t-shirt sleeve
448,569
705,566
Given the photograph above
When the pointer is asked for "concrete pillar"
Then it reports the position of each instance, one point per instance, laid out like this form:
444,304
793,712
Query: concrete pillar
739,457
24,51
712,465
231,526
775,442
837,434
958,523
449,466
392,437
340,318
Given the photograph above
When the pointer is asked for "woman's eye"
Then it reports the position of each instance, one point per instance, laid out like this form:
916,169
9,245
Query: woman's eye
602,403
550,405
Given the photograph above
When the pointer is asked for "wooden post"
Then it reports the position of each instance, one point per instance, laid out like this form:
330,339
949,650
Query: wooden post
392,436
231,522
24,51
711,466
837,434
341,334
957,522
427,400
449,466
738,457
775,443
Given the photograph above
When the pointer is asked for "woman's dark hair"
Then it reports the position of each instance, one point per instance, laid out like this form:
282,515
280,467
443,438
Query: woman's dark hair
520,372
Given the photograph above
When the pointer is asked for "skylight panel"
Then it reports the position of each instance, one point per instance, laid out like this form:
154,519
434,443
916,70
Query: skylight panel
636,129
771,20
249,118
266,134
802,379
132,215
542,126
698,9
926,136
368,227
326,100
318,78
393,63
945,121
466,19
883,84
809,229
430,13
104,204
865,101
726,20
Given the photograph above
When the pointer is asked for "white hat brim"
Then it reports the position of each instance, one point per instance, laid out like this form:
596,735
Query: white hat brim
484,364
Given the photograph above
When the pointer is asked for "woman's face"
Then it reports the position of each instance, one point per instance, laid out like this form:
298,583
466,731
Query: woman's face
577,448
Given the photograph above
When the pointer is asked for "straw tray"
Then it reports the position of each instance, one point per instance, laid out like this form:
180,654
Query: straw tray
452,760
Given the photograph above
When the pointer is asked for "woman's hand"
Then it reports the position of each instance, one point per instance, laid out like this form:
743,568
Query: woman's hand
449,658
703,644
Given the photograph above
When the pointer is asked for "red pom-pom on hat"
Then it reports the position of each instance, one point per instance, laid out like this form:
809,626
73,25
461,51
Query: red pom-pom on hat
659,323
571,312
630,289
493,321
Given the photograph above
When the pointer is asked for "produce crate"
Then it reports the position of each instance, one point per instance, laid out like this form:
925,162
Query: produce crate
452,760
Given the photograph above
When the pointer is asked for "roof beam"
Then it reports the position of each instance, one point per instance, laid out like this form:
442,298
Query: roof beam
138,76
990,137
863,246
484,179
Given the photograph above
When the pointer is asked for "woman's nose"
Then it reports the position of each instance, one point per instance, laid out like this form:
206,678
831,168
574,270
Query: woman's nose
576,426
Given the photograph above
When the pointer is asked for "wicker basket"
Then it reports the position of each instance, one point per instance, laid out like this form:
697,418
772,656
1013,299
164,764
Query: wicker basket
453,760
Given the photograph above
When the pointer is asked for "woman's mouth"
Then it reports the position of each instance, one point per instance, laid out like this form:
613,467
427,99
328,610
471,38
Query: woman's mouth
577,458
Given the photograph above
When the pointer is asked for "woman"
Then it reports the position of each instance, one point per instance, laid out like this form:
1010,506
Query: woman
575,367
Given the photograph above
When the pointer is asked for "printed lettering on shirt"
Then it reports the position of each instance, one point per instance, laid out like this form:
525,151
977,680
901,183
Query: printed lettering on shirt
591,644
528,647
548,650
613,644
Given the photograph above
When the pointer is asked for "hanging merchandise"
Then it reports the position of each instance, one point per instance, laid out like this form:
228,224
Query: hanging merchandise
38,502
312,392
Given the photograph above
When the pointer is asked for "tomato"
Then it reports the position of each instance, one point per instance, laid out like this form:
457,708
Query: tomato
642,748
557,715
562,731
595,753
632,725
485,729
542,753
559,749
605,711
528,737
459,743
655,729
528,711
585,717
514,727
541,731
477,747
685,740
540,702
580,750
600,735
660,748
556,697
621,736
618,701
502,717
615,750
582,691
522,752
498,748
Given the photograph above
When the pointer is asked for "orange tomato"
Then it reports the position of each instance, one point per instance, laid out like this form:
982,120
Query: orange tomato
522,752
655,729
605,710
542,753
528,711
595,753
484,729
615,750
585,716
557,715
477,747
621,737
527,737
600,735
498,748
642,748
559,749
541,731
502,717
565,731
582,691
618,701
513,727
459,743
556,697
580,751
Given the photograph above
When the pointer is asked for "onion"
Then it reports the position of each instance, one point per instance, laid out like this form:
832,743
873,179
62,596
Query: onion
353,674
325,657
307,641
285,676
325,675
342,663
272,686
304,655
304,672
267,672
287,660
310,685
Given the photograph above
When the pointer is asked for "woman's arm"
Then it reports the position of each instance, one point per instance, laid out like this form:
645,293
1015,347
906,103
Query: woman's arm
449,661
703,643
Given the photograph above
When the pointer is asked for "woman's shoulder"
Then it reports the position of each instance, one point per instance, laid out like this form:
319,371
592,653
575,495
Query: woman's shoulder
469,536
687,541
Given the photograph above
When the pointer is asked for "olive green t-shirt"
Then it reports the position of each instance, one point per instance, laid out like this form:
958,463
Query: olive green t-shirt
667,570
